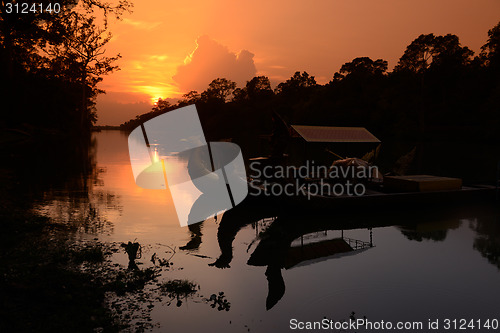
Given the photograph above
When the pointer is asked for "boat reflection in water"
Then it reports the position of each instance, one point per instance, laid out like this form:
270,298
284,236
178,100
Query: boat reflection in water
289,237
286,239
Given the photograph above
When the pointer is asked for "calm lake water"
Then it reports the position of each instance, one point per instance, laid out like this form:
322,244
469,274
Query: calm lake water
423,266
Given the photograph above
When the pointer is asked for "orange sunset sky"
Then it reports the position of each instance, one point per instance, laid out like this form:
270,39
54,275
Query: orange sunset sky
171,47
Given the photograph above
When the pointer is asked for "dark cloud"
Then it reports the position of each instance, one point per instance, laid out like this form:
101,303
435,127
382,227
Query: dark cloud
211,60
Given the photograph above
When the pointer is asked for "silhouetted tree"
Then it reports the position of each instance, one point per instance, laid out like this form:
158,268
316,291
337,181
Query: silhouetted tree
438,64
161,105
362,67
45,49
219,90
82,48
487,238
490,51
298,82
191,97
429,50
240,95
259,87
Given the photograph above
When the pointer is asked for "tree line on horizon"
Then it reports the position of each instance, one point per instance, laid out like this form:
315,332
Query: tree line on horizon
52,63
439,90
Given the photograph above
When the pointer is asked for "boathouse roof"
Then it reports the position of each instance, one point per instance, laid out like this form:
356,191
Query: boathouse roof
334,134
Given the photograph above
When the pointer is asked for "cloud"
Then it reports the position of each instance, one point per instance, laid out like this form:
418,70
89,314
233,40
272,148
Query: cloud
211,60
277,67
159,57
141,24
149,74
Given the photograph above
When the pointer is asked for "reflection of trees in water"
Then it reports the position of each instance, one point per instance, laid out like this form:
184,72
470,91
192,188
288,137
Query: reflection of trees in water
195,241
75,196
275,238
487,240
46,261
434,231
178,290
80,210
135,290
435,235
182,290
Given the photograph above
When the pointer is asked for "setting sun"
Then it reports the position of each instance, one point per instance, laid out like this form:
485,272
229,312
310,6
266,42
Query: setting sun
157,92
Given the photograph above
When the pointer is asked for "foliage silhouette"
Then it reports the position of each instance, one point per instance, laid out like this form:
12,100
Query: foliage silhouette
51,65
437,93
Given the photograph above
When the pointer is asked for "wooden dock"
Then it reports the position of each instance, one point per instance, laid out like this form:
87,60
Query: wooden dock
421,183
